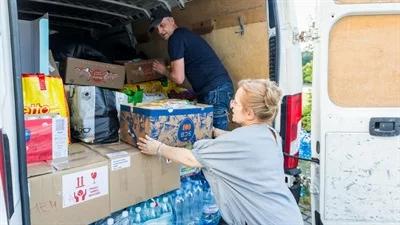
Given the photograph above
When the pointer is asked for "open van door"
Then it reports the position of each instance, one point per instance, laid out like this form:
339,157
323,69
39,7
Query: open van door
11,123
356,113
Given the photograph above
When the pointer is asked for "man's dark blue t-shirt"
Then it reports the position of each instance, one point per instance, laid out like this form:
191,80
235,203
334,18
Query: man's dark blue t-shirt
203,68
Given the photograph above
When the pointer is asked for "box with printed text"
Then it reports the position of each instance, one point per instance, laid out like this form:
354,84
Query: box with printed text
135,177
70,190
174,122
92,73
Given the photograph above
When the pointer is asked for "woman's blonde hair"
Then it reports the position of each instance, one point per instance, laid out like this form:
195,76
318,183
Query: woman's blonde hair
262,96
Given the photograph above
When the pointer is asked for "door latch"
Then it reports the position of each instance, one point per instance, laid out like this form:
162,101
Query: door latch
384,126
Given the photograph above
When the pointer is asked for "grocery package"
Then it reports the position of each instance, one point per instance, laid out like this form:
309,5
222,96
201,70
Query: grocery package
44,94
139,71
135,177
46,137
154,86
86,72
174,122
94,115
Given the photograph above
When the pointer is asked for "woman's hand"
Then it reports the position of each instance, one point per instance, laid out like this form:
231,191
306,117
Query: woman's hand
149,146
217,132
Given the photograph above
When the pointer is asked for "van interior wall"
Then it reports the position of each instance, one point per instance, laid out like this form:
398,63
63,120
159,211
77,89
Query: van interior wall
244,56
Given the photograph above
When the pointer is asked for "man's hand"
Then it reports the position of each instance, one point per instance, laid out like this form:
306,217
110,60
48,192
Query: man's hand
149,146
160,68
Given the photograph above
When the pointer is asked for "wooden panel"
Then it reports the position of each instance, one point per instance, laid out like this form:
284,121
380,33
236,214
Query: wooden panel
243,56
364,61
365,1
223,12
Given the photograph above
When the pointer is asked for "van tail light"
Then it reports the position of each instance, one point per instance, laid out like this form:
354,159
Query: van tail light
290,129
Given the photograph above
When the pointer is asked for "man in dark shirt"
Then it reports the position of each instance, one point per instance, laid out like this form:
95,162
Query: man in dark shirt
190,55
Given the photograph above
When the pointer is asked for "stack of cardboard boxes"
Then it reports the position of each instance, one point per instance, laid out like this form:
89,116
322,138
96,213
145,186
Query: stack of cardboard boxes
94,180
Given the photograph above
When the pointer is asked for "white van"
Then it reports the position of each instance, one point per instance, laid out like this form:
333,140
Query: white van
356,113
254,39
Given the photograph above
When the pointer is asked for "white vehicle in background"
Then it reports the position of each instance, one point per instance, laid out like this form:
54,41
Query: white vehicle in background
356,113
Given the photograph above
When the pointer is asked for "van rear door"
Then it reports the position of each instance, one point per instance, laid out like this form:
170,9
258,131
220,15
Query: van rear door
356,113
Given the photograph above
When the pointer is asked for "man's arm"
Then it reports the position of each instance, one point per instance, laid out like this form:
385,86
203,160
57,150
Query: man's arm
177,73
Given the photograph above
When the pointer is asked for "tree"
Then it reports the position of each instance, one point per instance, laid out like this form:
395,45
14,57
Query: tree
307,73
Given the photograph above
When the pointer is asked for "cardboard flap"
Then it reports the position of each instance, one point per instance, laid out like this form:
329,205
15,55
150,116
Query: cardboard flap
39,168
79,155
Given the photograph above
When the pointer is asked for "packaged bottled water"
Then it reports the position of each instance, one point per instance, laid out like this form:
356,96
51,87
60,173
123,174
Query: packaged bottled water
198,201
179,208
110,221
123,219
152,214
105,221
189,204
145,212
210,216
158,208
165,206
137,218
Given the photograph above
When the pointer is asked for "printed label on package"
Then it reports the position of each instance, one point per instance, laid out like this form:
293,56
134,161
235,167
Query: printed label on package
186,130
84,185
119,160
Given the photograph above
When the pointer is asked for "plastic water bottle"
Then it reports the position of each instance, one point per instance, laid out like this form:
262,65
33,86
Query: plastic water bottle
110,221
152,214
179,208
137,218
210,216
145,212
189,204
158,208
198,201
165,206
123,219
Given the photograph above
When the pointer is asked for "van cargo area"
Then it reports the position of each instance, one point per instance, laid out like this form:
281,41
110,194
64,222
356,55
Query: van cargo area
92,62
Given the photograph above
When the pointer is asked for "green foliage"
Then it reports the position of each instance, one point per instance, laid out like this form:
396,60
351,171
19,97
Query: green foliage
307,73
306,116
306,57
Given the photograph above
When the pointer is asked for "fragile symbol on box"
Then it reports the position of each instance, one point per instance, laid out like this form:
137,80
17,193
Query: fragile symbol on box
84,185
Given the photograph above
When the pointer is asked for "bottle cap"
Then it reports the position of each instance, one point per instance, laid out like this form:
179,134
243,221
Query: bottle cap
110,221
165,199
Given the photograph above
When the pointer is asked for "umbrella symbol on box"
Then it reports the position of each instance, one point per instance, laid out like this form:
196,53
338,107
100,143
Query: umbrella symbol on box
93,175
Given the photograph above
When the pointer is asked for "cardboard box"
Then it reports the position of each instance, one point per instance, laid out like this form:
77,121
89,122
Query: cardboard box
46,137
141,71
86,72
173,122
70,190
135,177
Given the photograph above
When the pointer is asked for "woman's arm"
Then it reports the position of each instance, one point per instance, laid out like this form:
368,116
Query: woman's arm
184,156
217,132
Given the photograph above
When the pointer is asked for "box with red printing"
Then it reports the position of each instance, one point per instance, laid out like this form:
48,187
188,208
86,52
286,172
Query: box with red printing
46,138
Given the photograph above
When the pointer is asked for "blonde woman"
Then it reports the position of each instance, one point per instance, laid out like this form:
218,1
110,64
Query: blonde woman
244,167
